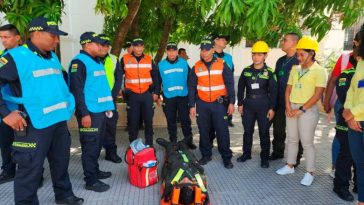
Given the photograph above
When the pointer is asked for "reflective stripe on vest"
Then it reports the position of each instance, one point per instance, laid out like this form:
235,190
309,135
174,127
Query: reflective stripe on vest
96,89
110,65
174,77
138,76
45,95
210,83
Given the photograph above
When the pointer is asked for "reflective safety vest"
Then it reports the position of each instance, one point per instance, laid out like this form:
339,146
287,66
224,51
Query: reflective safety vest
174,78
137,74
210,83
45,94
97,92
228,59
110,64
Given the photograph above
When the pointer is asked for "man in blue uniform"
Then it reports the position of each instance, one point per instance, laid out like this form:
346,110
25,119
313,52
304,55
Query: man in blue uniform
94,103
174,73
282,71
10,38
114,75
34,74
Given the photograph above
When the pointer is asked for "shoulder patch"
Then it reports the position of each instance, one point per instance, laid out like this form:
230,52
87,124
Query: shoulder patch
74,68
3,61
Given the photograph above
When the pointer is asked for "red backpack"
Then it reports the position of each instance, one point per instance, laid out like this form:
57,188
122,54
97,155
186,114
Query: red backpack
140,173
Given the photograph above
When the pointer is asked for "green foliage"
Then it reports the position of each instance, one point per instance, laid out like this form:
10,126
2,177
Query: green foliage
20,12
251,19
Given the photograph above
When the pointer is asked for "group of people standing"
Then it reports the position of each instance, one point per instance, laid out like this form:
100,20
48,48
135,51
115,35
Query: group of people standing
38,97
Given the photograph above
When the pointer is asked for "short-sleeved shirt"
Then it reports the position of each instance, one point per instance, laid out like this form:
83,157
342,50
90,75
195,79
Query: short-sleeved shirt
305,81
338,66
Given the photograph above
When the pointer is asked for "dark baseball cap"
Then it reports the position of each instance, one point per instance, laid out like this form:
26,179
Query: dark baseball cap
218,36
44,24
106,40
137,41
89,37
172,45
206,44
127,44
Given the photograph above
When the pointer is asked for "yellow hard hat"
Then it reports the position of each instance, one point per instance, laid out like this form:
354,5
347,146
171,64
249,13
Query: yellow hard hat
307,42
260,47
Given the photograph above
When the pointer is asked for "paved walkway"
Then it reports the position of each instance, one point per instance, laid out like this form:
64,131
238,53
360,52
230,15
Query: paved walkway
246,183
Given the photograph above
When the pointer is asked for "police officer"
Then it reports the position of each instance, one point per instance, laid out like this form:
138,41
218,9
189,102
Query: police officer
174,73
114,75
213,81
283,68
141,89
10,38
34,74
257,93
94,103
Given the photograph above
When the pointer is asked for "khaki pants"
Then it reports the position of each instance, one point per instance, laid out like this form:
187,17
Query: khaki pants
302,129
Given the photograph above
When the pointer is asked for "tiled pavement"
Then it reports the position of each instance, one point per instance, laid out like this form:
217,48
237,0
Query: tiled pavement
246,183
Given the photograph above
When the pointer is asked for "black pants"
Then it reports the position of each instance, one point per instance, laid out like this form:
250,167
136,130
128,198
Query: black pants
140,104
344,162
29,153
256,110
172,107
213,113
109,142
279,134
6,140
91,141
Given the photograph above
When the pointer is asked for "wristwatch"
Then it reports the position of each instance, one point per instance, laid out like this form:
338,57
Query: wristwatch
302,109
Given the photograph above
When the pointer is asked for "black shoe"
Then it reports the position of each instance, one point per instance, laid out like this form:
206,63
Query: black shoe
355,189
274,156
98,186
228,164
113,158
103,175
191,145
204,160
344,194
71,200
5,177
231,124
264,164
243,158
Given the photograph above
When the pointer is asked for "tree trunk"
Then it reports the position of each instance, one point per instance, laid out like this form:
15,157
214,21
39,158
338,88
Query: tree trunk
134,29
164,39
124,25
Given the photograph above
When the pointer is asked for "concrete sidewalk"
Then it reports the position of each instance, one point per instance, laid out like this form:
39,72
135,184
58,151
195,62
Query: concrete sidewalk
246,183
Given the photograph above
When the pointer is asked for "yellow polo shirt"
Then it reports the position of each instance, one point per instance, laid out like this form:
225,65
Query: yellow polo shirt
305,82
355,96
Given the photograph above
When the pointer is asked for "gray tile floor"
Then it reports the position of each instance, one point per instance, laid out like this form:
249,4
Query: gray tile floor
246,183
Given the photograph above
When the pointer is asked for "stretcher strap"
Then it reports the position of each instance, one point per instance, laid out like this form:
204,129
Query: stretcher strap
178,176
200,182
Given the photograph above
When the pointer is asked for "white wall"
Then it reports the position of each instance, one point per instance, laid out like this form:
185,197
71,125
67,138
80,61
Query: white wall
79,17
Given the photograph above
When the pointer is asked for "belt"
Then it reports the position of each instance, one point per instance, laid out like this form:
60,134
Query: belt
257,96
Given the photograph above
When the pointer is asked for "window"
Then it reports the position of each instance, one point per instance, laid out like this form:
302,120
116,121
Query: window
350,34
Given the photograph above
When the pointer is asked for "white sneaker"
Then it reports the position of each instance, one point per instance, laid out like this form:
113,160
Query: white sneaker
307,179
332,173
285,170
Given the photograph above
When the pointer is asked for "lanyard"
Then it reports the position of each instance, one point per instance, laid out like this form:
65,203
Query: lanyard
300,75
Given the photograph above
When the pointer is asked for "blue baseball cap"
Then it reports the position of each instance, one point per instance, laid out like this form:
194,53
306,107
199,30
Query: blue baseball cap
137,41
89,37
206,44
106,40
44,24
172,45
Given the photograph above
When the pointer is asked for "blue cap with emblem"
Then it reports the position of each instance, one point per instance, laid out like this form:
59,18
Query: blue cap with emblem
206,44
89,37
44,24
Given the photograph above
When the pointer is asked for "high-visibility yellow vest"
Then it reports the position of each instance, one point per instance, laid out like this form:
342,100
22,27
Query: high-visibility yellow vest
110,64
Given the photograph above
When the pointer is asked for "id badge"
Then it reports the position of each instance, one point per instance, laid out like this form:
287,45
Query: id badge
298,85
255,86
